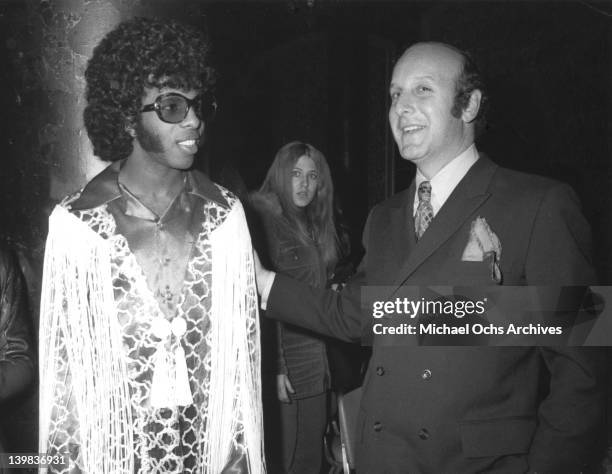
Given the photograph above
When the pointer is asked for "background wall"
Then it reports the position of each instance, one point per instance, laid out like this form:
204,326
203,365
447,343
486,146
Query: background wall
316,71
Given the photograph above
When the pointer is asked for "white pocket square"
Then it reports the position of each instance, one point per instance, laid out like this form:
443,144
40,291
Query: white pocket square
483,244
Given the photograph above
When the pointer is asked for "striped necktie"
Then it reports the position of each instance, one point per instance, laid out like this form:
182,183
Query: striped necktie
424,213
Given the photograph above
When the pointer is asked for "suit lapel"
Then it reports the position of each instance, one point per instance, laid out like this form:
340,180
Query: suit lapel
403,236
467,197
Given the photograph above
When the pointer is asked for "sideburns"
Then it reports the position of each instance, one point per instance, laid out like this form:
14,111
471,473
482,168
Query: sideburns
149,142
460,103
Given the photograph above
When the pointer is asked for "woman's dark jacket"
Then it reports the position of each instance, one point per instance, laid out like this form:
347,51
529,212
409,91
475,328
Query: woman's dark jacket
302,354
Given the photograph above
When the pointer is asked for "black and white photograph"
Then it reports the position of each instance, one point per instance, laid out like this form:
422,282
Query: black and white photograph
225,222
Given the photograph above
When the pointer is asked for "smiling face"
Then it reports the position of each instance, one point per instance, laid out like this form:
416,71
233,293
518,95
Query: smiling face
169,145
422,93
304,181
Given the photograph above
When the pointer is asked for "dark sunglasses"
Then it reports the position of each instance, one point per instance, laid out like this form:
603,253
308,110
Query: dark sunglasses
173,107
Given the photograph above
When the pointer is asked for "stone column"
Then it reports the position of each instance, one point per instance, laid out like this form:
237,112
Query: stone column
69,30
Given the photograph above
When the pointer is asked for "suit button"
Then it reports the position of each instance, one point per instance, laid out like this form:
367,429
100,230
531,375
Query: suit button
377,426
426,375
380,370
424,434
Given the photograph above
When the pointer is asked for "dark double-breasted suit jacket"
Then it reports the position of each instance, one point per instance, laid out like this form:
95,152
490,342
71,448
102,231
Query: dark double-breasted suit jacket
468,409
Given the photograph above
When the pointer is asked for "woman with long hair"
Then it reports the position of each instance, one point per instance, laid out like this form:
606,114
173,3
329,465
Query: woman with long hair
295,203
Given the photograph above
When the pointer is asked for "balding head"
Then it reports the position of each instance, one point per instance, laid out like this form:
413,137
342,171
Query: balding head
468,79
429,128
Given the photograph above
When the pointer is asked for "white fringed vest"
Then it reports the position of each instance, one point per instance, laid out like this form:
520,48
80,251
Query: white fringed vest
97,350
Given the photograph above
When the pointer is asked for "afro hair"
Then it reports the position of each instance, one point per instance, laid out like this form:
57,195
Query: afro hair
140,53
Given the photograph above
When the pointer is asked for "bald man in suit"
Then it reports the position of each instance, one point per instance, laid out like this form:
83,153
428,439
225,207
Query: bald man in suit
461,409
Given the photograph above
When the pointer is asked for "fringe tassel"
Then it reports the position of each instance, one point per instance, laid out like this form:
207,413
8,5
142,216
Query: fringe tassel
81,340
182,391
235,385
161,383
170,383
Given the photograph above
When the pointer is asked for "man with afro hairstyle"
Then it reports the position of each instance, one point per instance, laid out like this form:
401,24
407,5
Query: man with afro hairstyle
149,326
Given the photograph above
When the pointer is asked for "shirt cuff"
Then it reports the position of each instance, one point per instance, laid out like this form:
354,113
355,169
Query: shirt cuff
266,288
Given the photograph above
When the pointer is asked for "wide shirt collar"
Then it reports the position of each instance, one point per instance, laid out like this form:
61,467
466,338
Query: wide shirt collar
105,188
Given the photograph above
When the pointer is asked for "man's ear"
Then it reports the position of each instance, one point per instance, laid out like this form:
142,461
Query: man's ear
130,127
471,110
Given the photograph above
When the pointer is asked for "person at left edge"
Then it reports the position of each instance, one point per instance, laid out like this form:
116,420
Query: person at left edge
16,352
149,323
